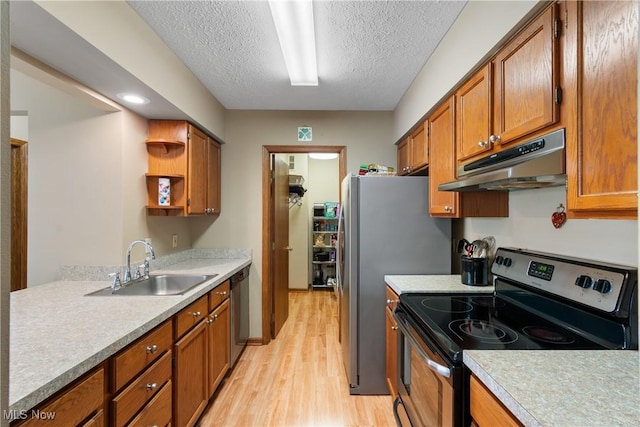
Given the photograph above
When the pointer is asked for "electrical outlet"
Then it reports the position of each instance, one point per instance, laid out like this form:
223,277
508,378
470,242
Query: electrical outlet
148,240
174,241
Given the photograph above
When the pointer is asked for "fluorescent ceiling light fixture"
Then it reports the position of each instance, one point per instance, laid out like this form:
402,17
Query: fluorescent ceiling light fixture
294,24
133,98
323,156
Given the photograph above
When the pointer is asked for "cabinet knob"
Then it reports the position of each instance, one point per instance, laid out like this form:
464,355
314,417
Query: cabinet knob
151,386
482,144
494,138
152,349
394,328
448,209
289,248
223,293
391,301
196,314
209,321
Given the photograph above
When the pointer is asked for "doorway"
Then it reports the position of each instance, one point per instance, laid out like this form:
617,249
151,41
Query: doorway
275,253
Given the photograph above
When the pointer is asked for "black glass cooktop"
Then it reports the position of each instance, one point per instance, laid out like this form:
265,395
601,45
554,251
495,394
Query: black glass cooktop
486,322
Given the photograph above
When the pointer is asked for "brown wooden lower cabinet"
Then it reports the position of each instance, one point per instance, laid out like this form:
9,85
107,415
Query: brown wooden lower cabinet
164,378
158,410
486,410
80,405
218,334
190,395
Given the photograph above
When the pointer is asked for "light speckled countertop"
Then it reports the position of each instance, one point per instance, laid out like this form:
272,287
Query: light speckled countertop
564,387
58,333
436,283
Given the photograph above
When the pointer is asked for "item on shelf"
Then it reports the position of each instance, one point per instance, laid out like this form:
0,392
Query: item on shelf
319,240
318,209
321,256
333,239
318,279
330,209
164,192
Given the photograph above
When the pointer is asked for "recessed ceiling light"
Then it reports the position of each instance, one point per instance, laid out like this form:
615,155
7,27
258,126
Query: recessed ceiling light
132,98
323,156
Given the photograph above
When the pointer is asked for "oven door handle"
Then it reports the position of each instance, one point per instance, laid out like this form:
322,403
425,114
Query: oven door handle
438,368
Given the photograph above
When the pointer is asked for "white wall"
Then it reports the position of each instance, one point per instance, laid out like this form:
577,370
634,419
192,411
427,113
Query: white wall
365,134
117,30
86,188
528,225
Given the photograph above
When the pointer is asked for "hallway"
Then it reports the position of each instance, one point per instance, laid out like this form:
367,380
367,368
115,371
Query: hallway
298,379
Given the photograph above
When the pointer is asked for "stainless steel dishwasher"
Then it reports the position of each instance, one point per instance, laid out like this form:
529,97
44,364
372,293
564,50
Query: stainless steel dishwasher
239,313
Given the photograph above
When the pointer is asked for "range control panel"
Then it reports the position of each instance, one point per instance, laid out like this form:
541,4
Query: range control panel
587,282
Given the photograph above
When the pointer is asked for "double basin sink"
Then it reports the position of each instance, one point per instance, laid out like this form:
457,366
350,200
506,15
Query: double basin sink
158,285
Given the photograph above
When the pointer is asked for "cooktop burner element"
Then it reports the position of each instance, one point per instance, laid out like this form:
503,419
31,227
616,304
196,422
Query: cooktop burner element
483,331
447,305
547,335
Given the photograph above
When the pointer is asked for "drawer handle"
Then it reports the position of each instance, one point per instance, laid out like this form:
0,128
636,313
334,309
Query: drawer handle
197,314
152,349
151,386
394,328
223,293
392,301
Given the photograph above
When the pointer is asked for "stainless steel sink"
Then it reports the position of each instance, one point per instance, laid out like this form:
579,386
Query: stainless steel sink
157,284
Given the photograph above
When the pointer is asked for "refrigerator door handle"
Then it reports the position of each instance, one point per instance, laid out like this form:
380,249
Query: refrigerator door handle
339,248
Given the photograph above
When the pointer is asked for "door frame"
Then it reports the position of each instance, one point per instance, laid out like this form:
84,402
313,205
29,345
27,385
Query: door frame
267,220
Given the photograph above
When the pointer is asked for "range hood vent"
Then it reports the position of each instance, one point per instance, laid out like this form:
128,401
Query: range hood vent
533,164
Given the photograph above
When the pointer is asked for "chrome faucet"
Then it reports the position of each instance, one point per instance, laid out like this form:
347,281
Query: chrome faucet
152,255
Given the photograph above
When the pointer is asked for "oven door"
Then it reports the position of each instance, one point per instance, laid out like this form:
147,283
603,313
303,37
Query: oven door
426,383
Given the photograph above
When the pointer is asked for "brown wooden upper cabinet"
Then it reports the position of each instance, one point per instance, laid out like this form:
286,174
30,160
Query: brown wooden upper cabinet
413,151
190,159
514,95
443,169
602,135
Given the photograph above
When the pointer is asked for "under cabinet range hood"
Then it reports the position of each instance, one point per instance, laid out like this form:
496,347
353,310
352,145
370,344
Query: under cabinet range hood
532,164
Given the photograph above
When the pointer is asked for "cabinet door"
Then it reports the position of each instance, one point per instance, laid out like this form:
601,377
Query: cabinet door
392,354
197,177
602,158
219,327
474,115
190,376
419,148
213,177
403,157
526,75
443,160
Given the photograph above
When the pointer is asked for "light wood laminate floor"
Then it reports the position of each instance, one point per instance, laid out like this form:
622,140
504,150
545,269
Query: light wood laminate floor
298,379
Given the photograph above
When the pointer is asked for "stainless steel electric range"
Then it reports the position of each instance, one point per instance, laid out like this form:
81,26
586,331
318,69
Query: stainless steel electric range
541,302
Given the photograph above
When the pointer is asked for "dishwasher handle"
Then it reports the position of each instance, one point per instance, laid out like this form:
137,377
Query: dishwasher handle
438,368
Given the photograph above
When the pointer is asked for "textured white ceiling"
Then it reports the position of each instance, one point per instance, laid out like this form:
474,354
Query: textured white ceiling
368,52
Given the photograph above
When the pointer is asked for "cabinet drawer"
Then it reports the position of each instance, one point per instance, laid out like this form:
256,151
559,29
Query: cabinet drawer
136,395
219,294
393,297
191,315
73,405
158,410
140,354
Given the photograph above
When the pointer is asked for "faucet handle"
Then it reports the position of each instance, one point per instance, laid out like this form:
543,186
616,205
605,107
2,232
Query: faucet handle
136,272
115,280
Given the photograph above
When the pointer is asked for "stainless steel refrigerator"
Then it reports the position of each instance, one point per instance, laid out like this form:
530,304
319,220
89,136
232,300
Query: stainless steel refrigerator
384,228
